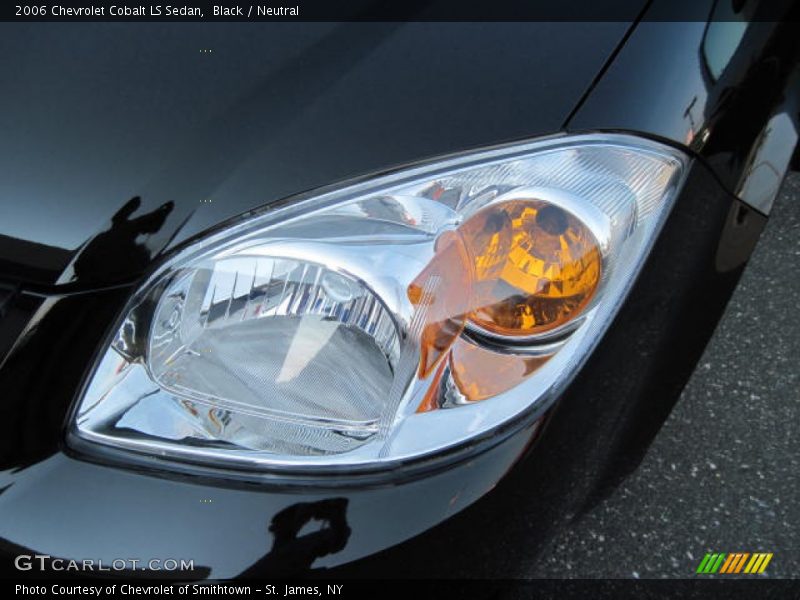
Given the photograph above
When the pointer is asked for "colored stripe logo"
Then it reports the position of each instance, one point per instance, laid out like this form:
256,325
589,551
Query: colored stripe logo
735,562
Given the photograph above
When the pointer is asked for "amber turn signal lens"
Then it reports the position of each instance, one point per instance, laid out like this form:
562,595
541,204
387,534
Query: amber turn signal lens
536,267
441,295
481,373
515,269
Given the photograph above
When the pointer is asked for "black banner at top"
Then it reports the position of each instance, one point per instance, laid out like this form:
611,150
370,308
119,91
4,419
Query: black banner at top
382,10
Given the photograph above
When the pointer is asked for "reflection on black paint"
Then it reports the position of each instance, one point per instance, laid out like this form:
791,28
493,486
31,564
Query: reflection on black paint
293,553
120,250
724,33
41,374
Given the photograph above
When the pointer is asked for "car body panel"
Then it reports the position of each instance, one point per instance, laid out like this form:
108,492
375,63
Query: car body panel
719,89
272,111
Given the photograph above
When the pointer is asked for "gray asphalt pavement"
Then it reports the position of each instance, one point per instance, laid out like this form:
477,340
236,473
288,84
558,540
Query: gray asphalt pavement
723,475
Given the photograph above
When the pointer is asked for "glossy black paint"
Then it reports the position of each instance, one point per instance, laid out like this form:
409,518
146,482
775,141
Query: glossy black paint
94,115
52,502
15,312
661,82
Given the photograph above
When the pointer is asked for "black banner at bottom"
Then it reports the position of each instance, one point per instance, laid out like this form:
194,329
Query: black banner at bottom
413,589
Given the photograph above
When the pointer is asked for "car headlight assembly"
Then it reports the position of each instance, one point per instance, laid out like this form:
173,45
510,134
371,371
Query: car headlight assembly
398,318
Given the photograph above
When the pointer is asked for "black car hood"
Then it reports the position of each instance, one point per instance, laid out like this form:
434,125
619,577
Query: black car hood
120,141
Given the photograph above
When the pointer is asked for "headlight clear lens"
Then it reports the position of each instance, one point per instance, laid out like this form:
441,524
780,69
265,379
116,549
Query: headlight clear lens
388,320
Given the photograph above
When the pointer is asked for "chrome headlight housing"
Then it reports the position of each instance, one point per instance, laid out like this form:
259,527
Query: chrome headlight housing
392,319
